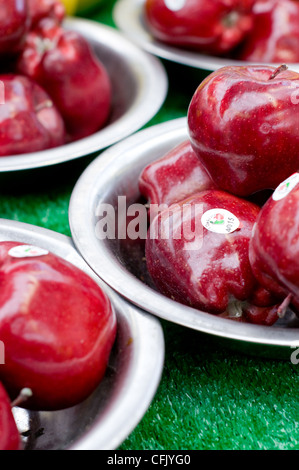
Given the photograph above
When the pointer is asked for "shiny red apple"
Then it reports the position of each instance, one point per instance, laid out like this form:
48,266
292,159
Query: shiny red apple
9,435
64,64
57,325
29,120
243,125
275,34
214,27
173,177
274,246
197,254
14,24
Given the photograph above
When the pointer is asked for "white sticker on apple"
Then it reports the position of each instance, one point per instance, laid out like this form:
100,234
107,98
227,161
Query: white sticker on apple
220,221
175,5
27,251
285,187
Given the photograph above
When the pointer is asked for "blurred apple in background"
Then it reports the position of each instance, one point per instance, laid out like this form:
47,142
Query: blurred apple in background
65,65
275,34
214,27
29,120
14,24
39,9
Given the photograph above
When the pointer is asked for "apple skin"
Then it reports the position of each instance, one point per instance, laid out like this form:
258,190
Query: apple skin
64,64
39,9
211,27
274,247
211,270
9,435
29,121
275,34
14,24
243,126
58,328
173,177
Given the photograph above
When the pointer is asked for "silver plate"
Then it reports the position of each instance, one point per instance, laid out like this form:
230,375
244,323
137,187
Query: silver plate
120,264
139,84
128,16
109,415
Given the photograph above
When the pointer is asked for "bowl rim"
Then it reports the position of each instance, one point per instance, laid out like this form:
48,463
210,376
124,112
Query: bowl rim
152,80
89,187
144,373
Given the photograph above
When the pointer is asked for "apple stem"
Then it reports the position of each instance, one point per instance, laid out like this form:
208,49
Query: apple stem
277,71
283,307
24,395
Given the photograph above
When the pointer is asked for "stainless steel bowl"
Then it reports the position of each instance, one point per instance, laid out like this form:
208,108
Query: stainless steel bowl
139,84
120,263
109,415
128,16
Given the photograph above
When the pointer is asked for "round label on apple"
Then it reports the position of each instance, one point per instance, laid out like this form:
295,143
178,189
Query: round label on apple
27,251
285,187
175,5
220,221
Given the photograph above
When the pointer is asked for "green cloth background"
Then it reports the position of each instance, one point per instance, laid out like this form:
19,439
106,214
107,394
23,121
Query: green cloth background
210,397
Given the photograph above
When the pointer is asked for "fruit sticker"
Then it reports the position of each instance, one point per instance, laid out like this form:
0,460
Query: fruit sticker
175,5
285,187
220,221
27,251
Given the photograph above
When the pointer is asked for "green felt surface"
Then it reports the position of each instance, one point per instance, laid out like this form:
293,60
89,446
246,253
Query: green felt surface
210,397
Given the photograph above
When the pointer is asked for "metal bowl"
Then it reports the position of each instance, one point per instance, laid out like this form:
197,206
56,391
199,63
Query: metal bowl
129,18
120,263
109,415
139,84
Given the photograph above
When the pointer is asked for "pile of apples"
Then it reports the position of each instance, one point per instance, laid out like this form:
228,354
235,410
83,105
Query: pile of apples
54,89
58,328
261,31
225,239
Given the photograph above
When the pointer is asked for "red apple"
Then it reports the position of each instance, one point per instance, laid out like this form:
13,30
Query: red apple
14,24
274,247
243,126
29,120
214,27
57,325
275,35
39,9
197,253
64,64
175,176
9,435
